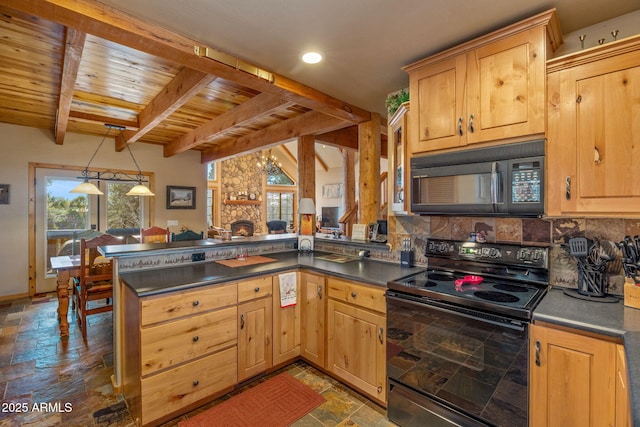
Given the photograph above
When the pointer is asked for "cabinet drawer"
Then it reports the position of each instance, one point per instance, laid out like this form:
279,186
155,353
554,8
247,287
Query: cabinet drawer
255,288
176,305
172,390
364,296
170,344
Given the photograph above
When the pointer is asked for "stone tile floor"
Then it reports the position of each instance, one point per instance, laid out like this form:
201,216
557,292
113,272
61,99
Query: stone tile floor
46,380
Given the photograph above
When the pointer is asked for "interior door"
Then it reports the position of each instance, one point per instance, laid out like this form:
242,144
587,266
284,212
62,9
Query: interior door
54,236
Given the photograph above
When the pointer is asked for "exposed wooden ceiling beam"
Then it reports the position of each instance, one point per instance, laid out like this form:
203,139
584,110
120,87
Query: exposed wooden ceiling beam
309,123
186,84
257,106
96,118
348,138
73,47
111,24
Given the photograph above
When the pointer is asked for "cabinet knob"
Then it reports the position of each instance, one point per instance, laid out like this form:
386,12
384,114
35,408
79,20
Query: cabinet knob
353,295
195,338
195,382
257,289
379,389
196,303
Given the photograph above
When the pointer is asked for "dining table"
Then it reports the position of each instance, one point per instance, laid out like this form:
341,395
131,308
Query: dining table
66,267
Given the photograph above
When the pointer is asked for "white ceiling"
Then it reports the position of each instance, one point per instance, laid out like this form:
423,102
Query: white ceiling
365,42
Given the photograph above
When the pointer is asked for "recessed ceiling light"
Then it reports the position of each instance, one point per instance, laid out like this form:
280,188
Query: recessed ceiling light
311,57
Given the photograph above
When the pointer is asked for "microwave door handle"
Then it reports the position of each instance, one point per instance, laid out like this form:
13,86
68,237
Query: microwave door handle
494,185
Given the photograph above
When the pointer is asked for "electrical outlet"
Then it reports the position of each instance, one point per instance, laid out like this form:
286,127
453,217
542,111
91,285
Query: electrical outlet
172,223
197,257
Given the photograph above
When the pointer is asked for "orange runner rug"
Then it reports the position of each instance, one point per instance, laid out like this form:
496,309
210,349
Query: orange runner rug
250,260
277,402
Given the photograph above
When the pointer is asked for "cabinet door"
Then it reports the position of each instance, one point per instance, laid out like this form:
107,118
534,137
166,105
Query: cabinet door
623,414
356,348
286,326
437,93
594,143
572,379
254,338
313,318
506,81
398,161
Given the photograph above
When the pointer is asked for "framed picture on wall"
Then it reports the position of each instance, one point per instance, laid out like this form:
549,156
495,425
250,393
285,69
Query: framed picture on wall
181,197
331,191
4,194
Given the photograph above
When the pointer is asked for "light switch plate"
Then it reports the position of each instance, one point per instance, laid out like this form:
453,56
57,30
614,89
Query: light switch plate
172,223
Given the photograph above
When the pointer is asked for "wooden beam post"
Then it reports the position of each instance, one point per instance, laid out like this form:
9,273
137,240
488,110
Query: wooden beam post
349,185
306,167
369,186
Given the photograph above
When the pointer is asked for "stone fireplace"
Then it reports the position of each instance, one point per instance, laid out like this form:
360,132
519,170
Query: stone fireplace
242,228
239,179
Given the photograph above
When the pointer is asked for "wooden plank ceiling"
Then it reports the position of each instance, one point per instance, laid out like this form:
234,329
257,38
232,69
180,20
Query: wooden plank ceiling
74,66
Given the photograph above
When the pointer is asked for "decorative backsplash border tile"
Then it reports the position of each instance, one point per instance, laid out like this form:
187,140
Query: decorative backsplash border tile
178,258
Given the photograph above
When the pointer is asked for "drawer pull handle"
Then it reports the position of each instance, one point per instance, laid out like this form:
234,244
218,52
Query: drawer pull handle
471,127
353,295
196,303
196,338
537,353
379,389
257,289
380,333
242,321
319,292
195,382
460,126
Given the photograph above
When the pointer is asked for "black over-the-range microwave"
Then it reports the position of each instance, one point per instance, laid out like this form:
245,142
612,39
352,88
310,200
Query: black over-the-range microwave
505,180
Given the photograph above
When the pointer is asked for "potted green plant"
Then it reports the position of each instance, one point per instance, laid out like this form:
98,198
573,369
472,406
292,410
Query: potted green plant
395,100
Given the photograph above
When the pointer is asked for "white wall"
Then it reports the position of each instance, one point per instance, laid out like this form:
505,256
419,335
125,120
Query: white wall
22,145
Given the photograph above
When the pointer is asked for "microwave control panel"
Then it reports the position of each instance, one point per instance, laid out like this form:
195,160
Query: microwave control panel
526,182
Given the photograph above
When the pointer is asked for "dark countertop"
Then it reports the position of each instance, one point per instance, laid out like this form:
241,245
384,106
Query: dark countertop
151,282
610,319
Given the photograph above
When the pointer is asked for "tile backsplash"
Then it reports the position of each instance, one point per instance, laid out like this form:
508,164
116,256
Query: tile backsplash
552,232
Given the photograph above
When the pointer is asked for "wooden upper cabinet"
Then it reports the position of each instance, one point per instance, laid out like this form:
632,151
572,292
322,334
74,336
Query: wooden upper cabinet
593,138
489,89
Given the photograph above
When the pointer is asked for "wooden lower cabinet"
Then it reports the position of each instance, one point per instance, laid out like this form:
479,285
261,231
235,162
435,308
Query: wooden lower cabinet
184,348
175,389
286,326
356,340
623,406
255,327
313,295
573,380
179,350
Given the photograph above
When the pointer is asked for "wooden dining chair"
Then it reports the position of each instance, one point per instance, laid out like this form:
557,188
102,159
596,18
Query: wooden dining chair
155,234
187,235
95,282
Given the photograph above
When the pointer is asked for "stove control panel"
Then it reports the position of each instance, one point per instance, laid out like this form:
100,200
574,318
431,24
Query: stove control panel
488,252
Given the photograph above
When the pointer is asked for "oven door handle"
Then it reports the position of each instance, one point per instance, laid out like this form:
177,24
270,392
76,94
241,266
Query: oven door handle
470,314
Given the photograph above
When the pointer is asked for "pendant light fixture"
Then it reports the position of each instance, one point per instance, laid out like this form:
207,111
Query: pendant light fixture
87,187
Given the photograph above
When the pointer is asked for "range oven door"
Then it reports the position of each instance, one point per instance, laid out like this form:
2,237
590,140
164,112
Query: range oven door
447,367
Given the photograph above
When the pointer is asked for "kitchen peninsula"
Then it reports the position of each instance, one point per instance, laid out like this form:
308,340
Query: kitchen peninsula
192,320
